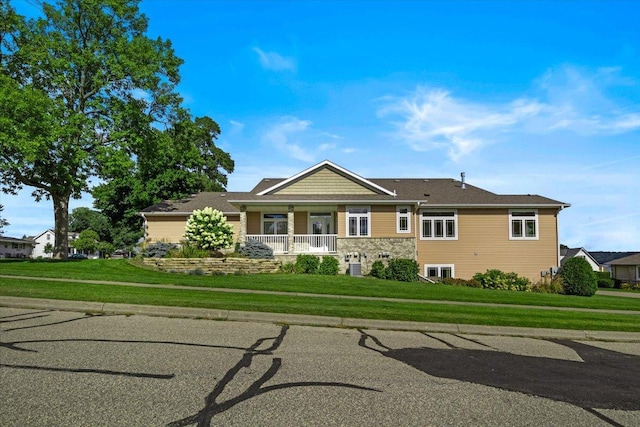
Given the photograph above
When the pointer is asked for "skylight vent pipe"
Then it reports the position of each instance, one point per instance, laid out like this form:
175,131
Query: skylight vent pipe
462,175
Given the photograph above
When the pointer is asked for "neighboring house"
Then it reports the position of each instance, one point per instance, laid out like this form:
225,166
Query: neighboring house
452,229
12,247
604,258
41,241
566,253
48,237
626,269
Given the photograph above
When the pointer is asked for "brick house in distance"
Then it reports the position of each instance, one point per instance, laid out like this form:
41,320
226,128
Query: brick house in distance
451,228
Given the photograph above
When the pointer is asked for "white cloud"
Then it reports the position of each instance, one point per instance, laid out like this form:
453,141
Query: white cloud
274,61
236,127
566,99
285,137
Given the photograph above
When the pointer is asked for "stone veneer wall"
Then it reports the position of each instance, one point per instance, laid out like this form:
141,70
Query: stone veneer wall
401,247
214,265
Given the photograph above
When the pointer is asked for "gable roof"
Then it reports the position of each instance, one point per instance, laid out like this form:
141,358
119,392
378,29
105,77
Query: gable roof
326,164
572,252
629,260
437,193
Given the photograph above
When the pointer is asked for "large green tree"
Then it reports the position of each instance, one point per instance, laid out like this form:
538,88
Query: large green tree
166,164
79,87
84,218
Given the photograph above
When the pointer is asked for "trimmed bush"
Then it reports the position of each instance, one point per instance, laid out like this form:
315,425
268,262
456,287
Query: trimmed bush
256,250
158,250
496,279
604,279
403,270
329,266
378,270
307,264
461,282
579,278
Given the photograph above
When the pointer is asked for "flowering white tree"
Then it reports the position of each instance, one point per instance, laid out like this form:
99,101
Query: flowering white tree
208,229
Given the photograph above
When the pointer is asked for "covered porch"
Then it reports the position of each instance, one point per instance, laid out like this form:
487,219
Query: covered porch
291,230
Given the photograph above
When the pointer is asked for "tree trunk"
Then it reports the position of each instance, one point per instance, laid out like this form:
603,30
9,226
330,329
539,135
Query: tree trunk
61,214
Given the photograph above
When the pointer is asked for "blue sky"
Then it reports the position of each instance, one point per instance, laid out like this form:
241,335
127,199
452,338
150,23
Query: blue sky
525,97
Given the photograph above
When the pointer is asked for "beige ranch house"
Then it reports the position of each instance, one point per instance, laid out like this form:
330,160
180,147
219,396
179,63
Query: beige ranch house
451,228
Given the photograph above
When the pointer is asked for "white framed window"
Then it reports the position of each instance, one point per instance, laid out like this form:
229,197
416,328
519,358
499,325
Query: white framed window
274,223
403,220
439,225
439,271
358,221
523,225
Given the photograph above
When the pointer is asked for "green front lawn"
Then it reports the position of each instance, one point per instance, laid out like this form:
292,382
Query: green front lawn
124,271
440,313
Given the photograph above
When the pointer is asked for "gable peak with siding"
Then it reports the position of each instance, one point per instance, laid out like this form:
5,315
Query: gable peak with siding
326,178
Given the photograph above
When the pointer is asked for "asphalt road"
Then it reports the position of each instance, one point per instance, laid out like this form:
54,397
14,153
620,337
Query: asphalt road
75,369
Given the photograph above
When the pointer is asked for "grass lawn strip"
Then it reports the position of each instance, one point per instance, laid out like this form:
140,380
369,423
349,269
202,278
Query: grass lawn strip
311,295
124,271
321,306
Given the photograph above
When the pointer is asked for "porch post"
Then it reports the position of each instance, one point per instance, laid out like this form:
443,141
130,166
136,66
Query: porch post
290,229
242,235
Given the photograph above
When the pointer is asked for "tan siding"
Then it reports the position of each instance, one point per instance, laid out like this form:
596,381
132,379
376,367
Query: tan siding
341,221
234,222
171,228
166,228
254,225
325,181
384,222
300,223
483,243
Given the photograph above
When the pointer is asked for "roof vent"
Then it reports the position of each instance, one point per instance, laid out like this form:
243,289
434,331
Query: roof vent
462,175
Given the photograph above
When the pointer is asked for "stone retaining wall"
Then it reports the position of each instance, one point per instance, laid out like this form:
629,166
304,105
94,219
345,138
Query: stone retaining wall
213,265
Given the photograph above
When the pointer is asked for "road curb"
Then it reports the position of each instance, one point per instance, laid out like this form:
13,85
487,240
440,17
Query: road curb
308,320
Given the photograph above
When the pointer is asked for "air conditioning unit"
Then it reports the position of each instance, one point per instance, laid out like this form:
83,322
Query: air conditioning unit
355,269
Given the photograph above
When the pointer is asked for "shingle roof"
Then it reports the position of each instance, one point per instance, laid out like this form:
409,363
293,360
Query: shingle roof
604,257
629,260
427,192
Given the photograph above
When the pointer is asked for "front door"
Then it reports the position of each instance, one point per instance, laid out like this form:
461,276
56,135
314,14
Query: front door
321,224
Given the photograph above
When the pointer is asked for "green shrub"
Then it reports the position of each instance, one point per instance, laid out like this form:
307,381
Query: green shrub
288,267
461,282
631,286
158,250
402,269
188,251
307,264
579,278
604,279
208,229
549,286
496,279
329,266
196,272
256,250
378,270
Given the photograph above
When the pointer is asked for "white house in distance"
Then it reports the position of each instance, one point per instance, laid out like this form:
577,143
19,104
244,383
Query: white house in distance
566,253
12,247
49,237
41,241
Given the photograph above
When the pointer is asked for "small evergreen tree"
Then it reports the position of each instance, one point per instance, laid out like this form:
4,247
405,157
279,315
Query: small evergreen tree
208,229
579,278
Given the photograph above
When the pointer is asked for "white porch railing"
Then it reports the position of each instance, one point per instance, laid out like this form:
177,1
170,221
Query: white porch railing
312,243
278,242
302,243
